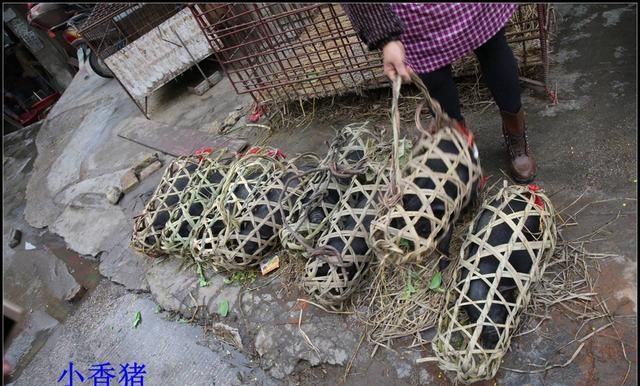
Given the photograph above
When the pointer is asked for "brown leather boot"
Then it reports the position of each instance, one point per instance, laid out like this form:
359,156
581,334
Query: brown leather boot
523,165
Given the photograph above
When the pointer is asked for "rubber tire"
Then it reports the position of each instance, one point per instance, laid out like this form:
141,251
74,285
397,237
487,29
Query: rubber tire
98,66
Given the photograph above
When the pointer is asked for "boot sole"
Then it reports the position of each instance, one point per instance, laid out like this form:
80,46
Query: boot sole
520,181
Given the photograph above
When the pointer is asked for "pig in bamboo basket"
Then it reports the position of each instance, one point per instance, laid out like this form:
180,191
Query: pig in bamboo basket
242,225
429,192
199,196
325,188
505,252
149,225
342,255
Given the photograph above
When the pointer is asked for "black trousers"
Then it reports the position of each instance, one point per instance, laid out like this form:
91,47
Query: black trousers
500,72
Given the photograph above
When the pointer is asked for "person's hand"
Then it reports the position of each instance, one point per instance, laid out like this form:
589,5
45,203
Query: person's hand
393,61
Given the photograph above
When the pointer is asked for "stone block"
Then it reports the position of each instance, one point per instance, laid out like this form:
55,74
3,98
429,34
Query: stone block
129,181
149,170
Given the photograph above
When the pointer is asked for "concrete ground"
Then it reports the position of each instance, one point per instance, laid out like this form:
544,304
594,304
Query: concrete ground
82,285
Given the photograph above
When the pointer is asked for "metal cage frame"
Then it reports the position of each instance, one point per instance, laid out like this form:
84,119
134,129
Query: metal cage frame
284,52
113,26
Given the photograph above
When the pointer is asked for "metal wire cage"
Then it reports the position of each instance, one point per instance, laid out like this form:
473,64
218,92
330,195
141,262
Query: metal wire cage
280,52
528,33
285,52
112,26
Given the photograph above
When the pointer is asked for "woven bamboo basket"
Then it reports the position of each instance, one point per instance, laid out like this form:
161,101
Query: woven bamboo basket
432,188
472,338
242,226
343,255
148,226
326,187
340,260
199,196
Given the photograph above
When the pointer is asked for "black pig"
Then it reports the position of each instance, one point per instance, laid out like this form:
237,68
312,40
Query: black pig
520,260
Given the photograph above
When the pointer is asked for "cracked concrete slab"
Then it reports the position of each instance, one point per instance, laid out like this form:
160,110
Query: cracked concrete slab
87,223
102,331
36,279
279,341
172,287
122,265
39,323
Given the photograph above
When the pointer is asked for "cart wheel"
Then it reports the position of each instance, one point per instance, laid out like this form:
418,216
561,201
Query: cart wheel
98,66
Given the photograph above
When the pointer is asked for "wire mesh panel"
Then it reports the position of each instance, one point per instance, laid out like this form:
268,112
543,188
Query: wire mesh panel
281,52
145,46
111,27
527,33
284,52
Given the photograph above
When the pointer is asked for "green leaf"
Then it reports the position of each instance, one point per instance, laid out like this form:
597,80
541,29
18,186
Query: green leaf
203,279
157,310
405,244
408,291
436,282
223,308
137,320
241,278
250,277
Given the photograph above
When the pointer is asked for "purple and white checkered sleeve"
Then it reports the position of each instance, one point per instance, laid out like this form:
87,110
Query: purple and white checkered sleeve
374,23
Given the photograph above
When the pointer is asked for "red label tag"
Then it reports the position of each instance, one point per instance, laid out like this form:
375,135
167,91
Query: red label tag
200,153
256,114
466,133
537,199
539,202
277,154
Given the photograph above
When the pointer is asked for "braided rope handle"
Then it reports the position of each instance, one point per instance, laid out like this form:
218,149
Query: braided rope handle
441,118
